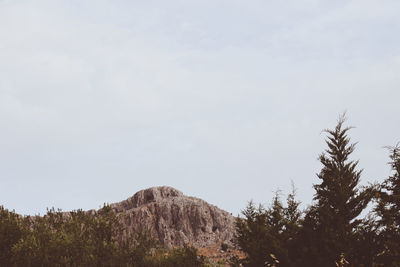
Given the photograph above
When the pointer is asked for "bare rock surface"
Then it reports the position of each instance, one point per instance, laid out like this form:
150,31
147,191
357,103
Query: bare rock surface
175,219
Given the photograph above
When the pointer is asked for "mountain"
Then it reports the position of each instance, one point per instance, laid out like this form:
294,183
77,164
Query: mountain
175,219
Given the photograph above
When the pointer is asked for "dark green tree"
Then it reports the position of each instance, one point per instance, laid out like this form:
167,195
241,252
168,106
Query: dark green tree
366,244
330,224
388,212
11,230
269,235
252,235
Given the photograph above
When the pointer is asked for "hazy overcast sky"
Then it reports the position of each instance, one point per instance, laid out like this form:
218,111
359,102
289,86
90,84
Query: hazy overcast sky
223,100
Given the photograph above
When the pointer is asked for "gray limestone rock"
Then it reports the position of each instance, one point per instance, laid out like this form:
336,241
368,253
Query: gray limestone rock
175,219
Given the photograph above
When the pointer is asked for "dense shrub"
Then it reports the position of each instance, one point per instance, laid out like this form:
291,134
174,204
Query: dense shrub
80,239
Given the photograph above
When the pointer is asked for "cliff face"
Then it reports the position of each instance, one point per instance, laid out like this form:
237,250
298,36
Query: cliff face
175,219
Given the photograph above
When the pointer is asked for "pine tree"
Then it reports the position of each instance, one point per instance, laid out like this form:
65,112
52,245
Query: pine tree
330,224
268,236
253,236
388,210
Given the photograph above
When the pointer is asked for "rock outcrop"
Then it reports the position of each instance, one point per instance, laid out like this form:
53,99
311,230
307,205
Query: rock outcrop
175,219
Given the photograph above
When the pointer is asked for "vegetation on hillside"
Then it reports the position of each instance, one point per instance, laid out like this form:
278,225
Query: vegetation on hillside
81,239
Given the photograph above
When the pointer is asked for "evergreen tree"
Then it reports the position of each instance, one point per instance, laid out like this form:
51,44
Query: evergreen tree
388,210
252,235
329,226
11,231
366,245
268,236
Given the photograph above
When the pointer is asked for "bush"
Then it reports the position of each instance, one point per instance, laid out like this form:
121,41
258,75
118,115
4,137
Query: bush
80,239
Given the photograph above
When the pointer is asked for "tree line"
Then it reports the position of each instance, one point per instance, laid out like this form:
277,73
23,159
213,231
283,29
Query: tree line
79,238
330,232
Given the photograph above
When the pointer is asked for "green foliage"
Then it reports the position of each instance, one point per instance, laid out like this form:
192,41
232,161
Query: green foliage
11,231
264,234
330,224
330,232
68,239
81,239
388,211
366,243
179,257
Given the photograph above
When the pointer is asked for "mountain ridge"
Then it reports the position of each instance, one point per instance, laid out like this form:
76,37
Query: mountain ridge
173,218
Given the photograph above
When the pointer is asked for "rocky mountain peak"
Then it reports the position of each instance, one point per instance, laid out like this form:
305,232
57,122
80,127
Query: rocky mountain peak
174,219
149,195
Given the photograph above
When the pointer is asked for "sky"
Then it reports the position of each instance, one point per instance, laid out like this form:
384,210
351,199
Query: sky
223,100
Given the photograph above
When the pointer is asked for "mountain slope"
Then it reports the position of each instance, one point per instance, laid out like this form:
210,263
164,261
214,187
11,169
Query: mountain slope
175,219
